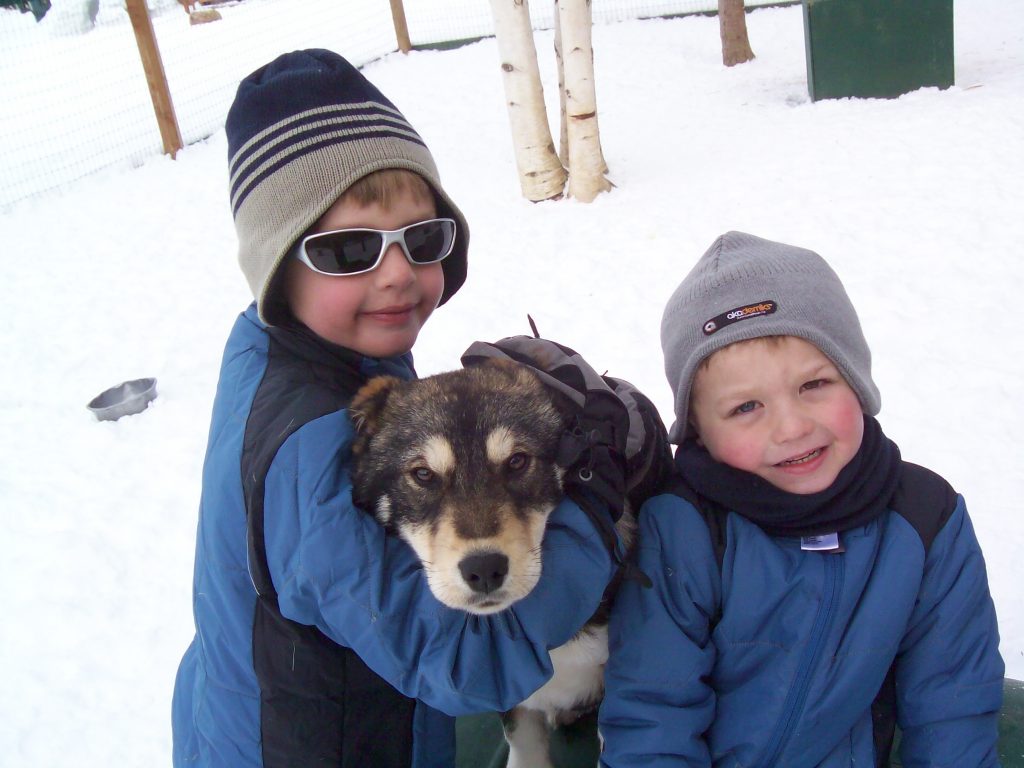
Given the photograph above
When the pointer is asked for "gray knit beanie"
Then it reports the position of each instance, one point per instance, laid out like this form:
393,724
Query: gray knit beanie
745,287
301,130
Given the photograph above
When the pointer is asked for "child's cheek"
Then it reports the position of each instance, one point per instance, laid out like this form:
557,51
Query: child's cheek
850,425
738,451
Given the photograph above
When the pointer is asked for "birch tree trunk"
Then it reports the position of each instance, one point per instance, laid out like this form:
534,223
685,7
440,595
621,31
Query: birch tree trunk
563,136
586,161
732,24
541,175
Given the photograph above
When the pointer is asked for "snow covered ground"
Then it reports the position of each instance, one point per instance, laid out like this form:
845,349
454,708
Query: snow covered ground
128,273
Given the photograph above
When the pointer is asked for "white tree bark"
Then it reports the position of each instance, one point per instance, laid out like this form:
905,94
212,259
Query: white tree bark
563,135
586,160
541,175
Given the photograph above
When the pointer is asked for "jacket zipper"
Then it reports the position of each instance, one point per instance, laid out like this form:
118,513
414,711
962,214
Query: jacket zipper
797,697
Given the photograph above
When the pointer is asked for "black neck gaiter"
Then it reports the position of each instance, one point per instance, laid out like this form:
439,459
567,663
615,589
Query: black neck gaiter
860,493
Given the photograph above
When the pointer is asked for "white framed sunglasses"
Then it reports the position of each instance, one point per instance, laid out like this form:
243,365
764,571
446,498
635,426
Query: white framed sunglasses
356,251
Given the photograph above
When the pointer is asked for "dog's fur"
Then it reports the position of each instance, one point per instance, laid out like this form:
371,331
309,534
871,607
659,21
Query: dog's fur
462,466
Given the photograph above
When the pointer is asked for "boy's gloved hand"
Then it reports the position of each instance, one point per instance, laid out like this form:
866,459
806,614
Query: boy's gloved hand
615,449
592,451
649,463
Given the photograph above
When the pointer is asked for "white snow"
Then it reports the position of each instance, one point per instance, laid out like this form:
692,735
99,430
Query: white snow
128,273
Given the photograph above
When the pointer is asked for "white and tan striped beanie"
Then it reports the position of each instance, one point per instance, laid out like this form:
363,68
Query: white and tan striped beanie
301,131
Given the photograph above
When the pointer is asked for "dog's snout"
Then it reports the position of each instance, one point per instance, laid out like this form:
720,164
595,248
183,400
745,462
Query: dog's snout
484,572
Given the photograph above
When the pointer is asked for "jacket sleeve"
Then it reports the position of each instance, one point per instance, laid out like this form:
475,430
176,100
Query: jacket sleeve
334,567
949,674
658,700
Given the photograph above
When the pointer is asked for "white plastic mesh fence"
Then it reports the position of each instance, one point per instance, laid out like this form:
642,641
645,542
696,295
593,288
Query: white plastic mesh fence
47,141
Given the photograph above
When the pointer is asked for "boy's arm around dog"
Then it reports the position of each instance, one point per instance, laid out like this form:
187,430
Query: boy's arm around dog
334,567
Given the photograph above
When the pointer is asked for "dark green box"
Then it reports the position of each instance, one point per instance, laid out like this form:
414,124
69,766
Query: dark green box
480,743
877,48
37,7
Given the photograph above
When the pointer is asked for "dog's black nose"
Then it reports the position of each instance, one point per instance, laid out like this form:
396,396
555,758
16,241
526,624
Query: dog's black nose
485,572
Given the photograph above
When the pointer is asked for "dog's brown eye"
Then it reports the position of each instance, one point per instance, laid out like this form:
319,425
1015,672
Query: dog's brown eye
517,462
423,476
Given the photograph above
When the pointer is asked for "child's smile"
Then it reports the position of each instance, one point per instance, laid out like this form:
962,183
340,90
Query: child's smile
780,409
803,461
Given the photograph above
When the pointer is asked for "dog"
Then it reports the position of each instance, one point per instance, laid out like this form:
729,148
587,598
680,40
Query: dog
462,465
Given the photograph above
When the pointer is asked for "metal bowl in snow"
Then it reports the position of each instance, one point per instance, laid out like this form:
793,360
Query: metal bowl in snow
123,400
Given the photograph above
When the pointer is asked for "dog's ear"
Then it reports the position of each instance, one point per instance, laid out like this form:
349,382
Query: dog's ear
566,408
502,364
369,402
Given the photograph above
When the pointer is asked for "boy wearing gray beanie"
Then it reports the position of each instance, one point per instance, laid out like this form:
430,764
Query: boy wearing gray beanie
318,641
812,590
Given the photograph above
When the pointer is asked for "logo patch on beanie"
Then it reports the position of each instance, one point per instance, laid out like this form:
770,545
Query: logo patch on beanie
760,308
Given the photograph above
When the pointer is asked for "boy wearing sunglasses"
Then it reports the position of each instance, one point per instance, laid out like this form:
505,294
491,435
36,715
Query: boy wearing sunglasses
812,590
318,641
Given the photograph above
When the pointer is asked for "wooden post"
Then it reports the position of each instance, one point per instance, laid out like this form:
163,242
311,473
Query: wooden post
155,77
401,27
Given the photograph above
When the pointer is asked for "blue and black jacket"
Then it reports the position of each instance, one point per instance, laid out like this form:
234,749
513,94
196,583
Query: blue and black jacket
753,651
318,641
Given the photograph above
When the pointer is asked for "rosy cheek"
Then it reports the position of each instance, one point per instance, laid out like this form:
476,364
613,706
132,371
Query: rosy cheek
854,426
736,451
849,418
433,283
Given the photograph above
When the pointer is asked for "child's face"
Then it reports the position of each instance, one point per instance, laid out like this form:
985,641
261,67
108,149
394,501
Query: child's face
378,313
780,410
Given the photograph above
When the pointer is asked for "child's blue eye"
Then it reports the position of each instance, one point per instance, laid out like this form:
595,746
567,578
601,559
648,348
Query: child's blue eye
815,384
746,407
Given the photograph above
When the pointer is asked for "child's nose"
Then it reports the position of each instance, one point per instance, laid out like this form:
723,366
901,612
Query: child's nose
791,423
394,268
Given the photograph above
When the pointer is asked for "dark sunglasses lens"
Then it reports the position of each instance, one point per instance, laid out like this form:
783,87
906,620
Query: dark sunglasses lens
343,253
429,241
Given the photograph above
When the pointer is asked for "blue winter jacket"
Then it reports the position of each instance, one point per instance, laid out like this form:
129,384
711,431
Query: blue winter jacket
345,644
798,659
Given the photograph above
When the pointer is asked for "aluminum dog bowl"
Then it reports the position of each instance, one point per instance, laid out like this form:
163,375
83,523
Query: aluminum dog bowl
123,400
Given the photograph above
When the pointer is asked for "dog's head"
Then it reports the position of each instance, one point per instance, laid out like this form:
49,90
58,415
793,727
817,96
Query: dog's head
462,466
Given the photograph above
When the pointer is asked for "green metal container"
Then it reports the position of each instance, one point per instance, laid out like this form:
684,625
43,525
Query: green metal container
1011,725
877,48
38,8
480,743
1011,728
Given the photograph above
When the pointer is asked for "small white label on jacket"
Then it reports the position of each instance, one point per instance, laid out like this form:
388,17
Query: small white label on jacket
826,542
